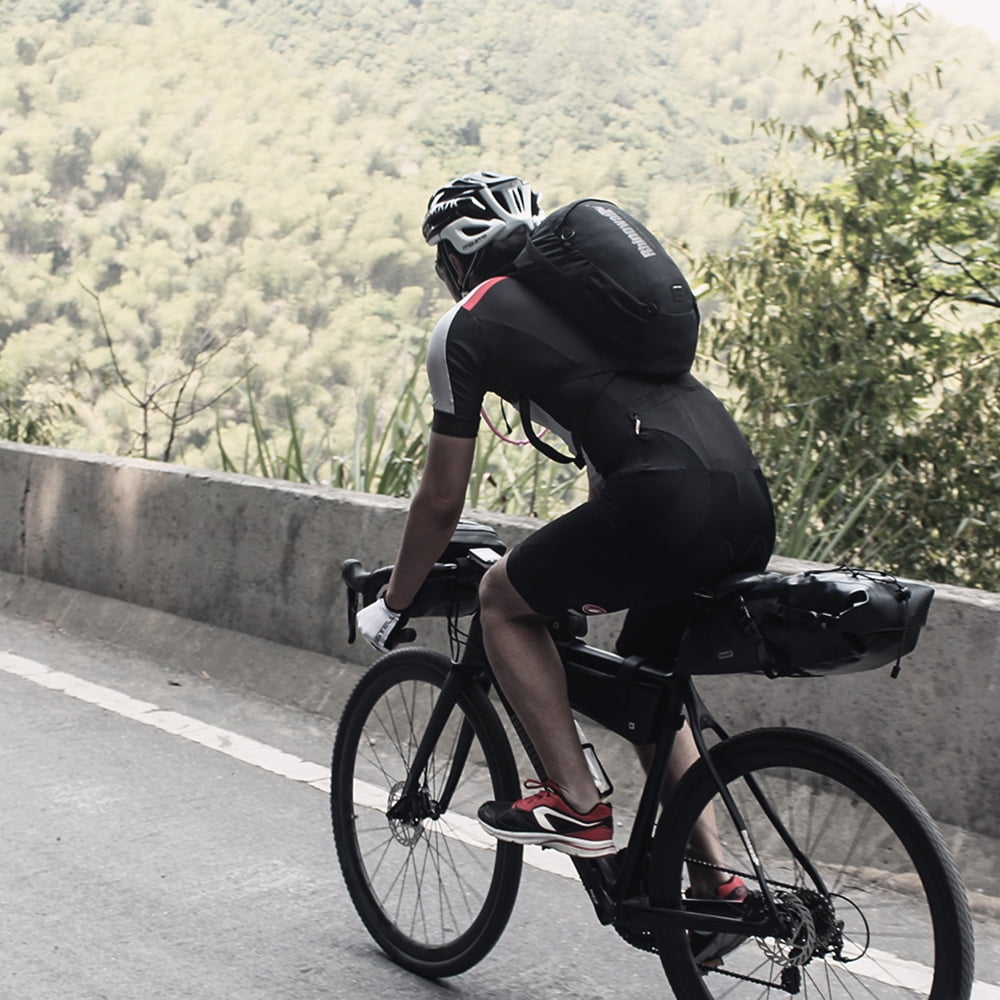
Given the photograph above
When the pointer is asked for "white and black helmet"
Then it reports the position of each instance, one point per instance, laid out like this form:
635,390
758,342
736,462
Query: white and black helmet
473,211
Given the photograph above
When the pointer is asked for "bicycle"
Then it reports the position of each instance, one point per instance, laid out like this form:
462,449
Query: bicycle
852,888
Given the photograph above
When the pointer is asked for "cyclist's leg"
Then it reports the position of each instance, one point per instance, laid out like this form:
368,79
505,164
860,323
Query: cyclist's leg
736,538
648,537
582,560
704,878
656,632
528,669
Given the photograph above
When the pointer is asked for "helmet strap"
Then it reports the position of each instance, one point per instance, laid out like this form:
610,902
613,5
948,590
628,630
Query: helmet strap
448,270
470,278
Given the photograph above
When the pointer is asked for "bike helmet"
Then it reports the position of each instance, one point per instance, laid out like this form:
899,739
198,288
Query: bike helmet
473,213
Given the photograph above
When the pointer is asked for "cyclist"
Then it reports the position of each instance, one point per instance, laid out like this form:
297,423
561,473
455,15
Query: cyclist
676,502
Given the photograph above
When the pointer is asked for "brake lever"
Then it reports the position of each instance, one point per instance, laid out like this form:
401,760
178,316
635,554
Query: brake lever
352,615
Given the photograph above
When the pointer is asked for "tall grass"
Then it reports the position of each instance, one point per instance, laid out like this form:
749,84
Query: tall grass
824,515
262,455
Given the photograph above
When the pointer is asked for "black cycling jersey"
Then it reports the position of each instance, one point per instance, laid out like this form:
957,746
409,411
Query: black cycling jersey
503,339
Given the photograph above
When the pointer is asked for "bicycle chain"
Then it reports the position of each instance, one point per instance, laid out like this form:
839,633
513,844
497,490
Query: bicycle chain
789,987
643,940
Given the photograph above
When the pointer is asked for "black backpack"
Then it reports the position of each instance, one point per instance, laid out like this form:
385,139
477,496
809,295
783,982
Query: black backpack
604,270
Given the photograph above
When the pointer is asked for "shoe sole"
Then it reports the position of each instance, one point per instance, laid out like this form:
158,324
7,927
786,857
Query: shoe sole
575,848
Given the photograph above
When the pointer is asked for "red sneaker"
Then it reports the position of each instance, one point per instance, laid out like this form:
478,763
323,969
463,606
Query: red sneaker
546,818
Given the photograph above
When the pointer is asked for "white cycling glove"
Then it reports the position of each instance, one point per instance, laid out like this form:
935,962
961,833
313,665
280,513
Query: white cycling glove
381,626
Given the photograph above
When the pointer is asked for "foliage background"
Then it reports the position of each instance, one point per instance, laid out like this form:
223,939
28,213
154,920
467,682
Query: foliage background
210,216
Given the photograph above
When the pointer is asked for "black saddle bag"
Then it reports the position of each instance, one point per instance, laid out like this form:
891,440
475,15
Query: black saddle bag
811,624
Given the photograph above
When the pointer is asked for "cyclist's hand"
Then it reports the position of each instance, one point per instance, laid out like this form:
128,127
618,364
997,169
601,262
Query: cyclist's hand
383,627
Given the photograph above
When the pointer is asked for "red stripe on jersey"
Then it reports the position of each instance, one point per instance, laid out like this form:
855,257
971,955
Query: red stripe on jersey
473,300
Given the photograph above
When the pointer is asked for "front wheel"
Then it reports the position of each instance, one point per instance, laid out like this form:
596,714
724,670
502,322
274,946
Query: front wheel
870,902
434,891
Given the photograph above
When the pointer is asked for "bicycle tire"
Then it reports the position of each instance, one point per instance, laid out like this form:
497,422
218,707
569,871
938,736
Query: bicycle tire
907,930
435,894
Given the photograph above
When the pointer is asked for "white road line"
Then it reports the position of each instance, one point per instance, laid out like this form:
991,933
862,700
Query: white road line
882,967
232,744
245,749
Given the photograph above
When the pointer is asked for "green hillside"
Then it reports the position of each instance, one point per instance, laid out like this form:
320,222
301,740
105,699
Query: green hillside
248,179
209,207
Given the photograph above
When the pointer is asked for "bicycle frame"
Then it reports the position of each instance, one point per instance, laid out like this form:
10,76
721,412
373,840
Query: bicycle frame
614,884
620,897
788,910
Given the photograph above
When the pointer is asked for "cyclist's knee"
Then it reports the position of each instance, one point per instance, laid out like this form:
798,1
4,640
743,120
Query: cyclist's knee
498,598
494,588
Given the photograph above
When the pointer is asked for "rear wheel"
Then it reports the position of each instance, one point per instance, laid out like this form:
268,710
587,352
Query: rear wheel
433,889
881,914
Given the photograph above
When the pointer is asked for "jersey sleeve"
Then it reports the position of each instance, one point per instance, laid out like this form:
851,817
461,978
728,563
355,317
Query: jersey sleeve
458,360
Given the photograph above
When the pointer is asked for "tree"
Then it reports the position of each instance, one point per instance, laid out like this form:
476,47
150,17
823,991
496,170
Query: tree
172,395
861,324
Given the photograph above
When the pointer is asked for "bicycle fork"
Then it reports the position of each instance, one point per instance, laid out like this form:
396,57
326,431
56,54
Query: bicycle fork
414,803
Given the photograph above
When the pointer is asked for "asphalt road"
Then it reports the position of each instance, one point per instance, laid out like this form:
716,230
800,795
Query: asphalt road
162,836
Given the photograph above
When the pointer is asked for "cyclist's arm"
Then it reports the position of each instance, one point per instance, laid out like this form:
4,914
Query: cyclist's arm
434,512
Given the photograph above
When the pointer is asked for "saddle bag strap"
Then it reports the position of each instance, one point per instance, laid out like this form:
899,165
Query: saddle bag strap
748,625
904,603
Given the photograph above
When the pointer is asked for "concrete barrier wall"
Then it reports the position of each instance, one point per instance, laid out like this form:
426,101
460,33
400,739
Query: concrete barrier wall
262,558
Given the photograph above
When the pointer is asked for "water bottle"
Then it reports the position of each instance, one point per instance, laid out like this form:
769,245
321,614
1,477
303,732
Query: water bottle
594,765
